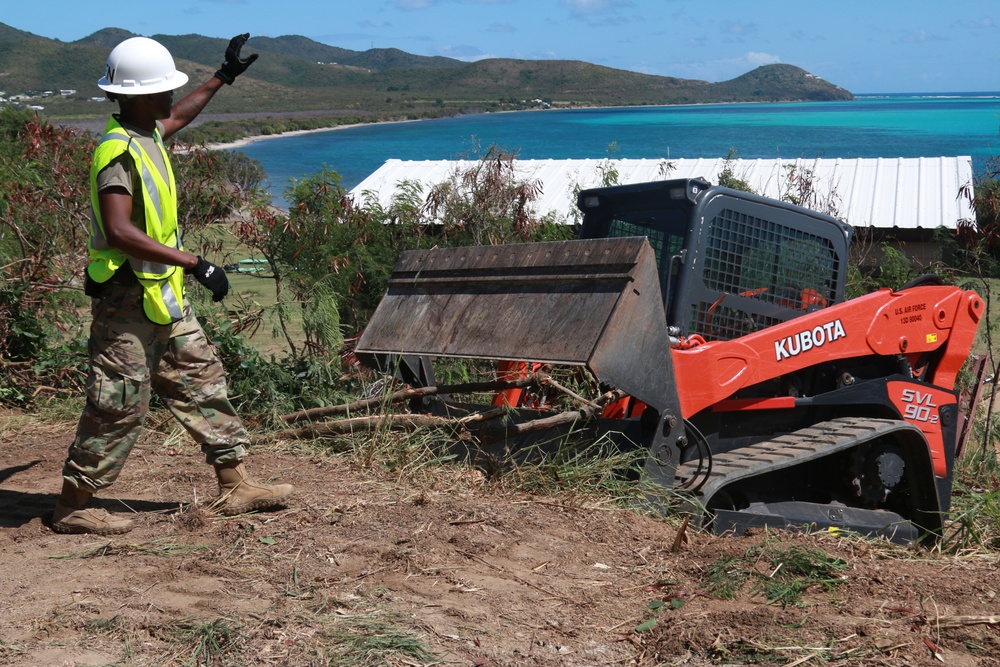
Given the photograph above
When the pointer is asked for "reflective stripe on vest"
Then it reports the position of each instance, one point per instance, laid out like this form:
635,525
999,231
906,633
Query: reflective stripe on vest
163,284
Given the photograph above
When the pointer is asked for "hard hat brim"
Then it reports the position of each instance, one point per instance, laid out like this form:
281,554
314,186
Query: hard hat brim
172,82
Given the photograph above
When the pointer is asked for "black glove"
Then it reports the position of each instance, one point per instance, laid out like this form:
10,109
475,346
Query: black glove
234,65
212,277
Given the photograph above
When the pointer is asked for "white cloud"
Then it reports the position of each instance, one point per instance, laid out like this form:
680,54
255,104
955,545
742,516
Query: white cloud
757,59
585,7
985,22
920,36
466,52
414,5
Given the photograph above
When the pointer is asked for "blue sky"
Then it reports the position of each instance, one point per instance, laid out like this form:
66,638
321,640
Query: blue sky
878,46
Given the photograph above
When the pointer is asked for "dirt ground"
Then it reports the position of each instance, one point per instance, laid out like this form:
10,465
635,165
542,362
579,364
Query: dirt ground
364,569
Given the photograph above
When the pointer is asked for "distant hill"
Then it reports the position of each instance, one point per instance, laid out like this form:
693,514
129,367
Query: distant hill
298,75
106,39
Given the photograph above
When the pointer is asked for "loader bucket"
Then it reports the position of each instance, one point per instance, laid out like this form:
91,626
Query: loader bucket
593,303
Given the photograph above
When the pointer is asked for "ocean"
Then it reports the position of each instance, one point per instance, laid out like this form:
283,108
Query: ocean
924,125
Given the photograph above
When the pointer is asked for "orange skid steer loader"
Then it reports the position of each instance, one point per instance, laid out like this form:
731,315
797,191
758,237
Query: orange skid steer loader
719,319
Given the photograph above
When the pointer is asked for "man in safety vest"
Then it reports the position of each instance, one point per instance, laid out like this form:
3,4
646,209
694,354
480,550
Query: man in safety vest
144,337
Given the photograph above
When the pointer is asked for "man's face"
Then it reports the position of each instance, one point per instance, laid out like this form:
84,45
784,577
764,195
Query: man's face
164,103
159,104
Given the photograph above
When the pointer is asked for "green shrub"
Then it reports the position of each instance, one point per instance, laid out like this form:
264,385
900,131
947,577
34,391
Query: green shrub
44,218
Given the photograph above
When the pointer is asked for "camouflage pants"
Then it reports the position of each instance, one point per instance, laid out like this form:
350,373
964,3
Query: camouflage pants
129,358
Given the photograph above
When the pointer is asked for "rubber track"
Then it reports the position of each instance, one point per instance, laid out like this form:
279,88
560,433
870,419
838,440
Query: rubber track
792,449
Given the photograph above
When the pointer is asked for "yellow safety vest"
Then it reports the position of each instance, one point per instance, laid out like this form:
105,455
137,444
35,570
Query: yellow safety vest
163,284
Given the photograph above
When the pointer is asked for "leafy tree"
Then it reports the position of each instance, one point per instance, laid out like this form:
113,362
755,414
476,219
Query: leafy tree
212,187
486,204
296,247
982,239
44,221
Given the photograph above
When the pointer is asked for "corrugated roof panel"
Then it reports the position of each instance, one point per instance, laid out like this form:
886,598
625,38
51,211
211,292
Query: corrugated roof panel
928,193
881,192
851,190
879,189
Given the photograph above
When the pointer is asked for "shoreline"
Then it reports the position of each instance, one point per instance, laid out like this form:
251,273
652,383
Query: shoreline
246,141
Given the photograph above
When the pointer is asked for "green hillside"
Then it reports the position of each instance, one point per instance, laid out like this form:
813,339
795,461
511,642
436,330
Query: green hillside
296,76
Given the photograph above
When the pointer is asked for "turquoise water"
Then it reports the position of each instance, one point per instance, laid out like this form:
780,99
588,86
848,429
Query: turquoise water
870,126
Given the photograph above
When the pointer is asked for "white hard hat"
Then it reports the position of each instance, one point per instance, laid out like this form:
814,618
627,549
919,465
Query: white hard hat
141,66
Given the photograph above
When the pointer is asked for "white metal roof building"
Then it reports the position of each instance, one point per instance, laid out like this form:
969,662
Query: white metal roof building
918,194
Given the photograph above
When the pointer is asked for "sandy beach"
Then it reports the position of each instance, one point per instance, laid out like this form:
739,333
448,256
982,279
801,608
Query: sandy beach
246,141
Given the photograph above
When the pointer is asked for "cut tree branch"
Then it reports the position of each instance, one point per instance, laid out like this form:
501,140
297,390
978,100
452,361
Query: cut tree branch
362,405
479,424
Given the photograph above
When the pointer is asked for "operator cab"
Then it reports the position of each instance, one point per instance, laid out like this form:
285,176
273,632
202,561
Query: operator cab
729,262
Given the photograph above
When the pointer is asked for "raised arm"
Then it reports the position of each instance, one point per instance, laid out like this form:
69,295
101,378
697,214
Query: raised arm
187,109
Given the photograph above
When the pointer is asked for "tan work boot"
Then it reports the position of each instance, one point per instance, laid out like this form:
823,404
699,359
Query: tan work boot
71,515
239,493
